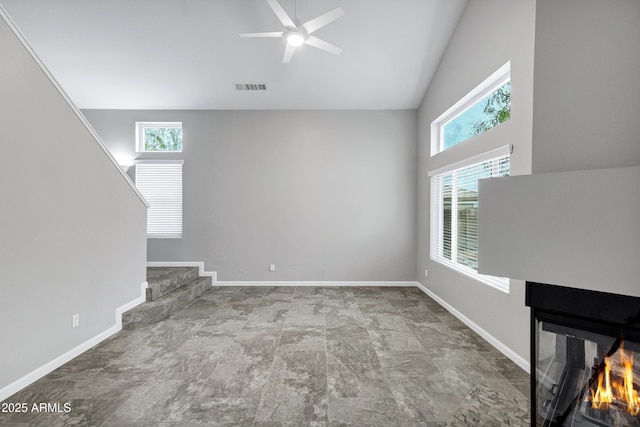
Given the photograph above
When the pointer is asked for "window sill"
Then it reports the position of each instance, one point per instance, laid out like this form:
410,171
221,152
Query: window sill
499,283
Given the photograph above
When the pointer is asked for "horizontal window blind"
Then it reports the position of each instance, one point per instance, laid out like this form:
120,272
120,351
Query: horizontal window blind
454,215
161,185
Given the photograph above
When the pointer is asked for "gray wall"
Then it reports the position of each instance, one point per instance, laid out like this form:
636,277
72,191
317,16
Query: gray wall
577,227
480,45
587,85
324,195
72,230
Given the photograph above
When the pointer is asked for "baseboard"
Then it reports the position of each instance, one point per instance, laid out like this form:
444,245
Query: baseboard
51,366
313,283
199,264
515,357
128,306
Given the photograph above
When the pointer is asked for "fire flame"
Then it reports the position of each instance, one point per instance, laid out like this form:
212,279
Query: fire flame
620,389
630,394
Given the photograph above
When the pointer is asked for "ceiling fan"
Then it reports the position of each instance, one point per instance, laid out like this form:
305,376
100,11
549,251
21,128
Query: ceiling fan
298,35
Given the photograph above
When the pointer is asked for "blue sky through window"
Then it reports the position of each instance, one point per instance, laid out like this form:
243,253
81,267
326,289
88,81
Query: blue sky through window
461,128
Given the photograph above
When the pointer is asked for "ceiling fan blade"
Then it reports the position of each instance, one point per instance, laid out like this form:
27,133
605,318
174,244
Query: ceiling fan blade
271,34
281,14
322,20
321,44
288,53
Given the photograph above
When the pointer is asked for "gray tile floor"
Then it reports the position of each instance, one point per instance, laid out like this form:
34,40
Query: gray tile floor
289,356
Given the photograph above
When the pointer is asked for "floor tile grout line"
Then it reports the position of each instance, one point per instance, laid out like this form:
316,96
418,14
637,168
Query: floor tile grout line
382,369
403,322
115,410
326,355
226,350
224,353
474,387
273,360
219,359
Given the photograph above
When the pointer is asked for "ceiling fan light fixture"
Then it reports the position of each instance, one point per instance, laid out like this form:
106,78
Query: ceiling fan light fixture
297,35
295,38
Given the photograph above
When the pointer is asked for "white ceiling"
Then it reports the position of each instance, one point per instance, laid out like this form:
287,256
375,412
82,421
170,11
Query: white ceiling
186,54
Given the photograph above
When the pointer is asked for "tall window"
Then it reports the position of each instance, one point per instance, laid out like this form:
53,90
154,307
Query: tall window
159,137
454,212
485,107
161,185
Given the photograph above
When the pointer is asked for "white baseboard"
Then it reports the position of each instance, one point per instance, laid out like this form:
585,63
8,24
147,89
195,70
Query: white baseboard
515,357
51,366
199,264
312,283
128,306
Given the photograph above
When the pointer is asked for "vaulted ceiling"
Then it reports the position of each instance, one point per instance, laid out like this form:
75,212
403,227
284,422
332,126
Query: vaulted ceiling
186,54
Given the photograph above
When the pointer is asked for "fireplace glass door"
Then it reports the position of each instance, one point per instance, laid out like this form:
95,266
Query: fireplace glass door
585,378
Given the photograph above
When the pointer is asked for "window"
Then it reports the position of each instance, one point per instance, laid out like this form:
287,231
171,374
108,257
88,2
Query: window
159,137
454,212
161,184
483,108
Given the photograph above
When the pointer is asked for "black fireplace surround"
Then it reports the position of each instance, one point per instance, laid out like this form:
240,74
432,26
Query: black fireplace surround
585,357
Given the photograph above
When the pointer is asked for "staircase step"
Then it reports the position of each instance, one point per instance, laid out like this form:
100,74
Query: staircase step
163,307
163,280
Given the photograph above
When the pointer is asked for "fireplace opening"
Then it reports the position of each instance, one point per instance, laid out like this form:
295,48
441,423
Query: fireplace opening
585,357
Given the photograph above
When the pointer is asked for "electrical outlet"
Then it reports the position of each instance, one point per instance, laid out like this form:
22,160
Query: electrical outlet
75,320
426,273
272,267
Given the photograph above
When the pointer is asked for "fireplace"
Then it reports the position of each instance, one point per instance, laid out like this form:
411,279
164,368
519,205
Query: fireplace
585,357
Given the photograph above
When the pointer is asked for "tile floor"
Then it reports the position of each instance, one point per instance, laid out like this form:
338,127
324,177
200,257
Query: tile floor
317,356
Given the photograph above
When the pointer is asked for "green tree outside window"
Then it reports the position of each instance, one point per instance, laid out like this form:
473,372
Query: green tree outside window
162,139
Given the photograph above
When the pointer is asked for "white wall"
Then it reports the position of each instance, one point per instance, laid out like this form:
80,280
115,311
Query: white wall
72,230
323,195
489,34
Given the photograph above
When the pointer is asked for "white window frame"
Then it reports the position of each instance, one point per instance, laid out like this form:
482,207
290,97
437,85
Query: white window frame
437,219
164,215
489,85
141,126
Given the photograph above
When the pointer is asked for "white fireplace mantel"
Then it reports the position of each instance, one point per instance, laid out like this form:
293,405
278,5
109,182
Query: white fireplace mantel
579,229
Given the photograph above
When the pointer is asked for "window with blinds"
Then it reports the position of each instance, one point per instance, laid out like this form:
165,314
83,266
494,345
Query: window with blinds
454,212
161,185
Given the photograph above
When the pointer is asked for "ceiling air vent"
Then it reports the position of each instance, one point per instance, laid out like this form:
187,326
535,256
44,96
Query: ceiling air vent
251,86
